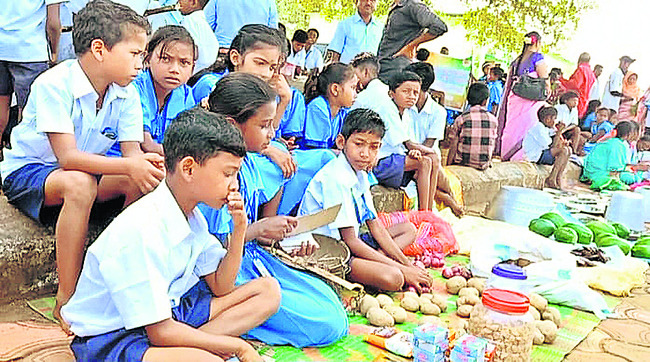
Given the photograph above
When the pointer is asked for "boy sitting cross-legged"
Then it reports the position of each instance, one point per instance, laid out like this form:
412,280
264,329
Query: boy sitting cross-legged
164,289
346,180
76,111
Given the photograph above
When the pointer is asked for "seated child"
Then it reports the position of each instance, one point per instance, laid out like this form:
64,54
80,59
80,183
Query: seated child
295,61
165,289
169,62
328,102
473,135
496,89
567,121
540,148
601,126
372,90
346,180
75,113
194,21
310,313
590,115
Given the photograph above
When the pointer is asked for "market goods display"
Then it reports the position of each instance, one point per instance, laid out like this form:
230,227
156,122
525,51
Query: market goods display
555,218
585,235
427,303
591,254
456,270
368,302
455,284
379,317
621,230
542,227
599,227
477,283
566,235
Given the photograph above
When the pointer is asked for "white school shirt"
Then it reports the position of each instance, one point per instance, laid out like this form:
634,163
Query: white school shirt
615,84
326,191
314,59
594,93
430,122
204,37
536,140
375,94
62,100
297,59
141,265
567,116
398,130
22,30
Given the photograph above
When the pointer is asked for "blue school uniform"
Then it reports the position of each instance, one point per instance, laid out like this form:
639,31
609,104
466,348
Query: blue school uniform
310,313
204,86
606,127
321,128
154,121
292,123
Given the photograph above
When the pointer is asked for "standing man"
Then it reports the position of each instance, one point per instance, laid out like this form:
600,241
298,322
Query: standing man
594,94
582,80
410,23
357,34
226,17
613,93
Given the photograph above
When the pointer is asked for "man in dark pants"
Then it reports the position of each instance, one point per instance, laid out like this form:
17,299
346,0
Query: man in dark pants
410,23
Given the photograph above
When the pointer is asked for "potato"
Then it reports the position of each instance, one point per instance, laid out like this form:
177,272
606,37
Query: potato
538,337
538,302
455,284
535,313
384,300
367,302
411,294
410,304
430,319
548,329
440,301
380,318
472,299
552,314
477,283
426,295
467,291
398,313
429,309
464,310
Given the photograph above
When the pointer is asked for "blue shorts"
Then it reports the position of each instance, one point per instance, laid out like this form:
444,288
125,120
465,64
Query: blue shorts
390,171
17,77
130,345
546,158
25,188
369,240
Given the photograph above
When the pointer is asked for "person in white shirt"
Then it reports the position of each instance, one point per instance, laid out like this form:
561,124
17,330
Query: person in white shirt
206,41
380,248
567,121
357,34
372,91
313,56
540,148
165,289
613,93
295,62
595,94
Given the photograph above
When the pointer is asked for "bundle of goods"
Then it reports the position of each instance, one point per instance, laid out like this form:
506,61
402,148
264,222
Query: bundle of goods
434,233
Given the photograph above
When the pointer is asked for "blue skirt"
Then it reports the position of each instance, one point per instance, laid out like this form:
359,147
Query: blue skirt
309,163
310,313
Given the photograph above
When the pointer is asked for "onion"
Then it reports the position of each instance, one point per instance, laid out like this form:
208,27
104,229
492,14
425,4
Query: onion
412,289
447,273
420,264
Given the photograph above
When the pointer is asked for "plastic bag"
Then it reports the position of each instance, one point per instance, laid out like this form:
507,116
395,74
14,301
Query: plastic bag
434,233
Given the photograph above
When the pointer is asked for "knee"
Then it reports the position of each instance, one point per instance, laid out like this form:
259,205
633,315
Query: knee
392,279
79,187
425,163
410,231
270,292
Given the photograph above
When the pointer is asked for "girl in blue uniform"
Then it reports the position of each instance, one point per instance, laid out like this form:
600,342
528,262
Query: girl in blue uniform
328,102
171,54
310,313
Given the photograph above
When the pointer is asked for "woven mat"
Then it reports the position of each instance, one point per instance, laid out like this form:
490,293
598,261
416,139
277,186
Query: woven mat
34,341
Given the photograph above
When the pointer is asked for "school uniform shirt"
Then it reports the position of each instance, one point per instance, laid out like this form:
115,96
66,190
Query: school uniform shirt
297,59
375,94
226,17
204,38
22,30
321,128
292,123
496,93
566,115
338,183
429,122
136,272
63,100
536,141
398,130
606,127
205,85
314,59
354,36
614,84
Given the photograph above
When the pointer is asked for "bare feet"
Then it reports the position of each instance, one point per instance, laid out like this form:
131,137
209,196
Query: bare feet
449,201
60,302
552,183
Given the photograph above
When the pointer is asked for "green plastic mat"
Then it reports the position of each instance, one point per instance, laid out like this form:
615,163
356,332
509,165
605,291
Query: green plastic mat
44,307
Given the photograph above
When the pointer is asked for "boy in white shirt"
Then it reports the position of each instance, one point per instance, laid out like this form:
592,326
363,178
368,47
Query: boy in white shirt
567,121
540,148
371,90
380,249
75,113
165,289
295,62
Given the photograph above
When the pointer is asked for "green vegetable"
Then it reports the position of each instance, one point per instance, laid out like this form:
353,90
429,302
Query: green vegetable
566,235
599,227
542,227
641,251
585,236
555,218
624,246
599,237
608,240
621,230
644,240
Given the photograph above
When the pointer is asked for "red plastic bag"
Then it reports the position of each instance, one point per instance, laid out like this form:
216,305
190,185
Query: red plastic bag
434,234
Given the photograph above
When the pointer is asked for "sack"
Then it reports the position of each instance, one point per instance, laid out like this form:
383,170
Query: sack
531,88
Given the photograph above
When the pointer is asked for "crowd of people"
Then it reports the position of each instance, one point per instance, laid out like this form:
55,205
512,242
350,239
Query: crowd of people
195,128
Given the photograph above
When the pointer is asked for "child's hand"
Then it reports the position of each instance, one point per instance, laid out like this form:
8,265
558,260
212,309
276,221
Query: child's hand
283,160
290,143
416,277
415,154
204,103
305,249
279,83
145,170
276,227
236,209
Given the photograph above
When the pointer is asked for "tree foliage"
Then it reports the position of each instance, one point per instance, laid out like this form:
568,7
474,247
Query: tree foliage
502,24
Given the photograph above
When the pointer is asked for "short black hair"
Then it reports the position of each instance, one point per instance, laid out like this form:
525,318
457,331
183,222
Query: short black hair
201,135
107,21
363,120
366,60
168,34
300,36
315,31
497,71
624,128
239,95
545,112
568,95
422,55
425,71
402,77
477,94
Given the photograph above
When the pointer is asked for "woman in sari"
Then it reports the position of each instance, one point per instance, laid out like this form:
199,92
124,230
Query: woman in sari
631,95
516,114
642,114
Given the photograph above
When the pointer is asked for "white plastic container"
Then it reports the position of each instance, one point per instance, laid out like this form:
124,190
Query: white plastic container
645,191
519,205
508,277
627,208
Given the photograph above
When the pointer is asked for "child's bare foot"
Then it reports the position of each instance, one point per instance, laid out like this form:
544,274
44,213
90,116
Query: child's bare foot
56,313
552,183
450,202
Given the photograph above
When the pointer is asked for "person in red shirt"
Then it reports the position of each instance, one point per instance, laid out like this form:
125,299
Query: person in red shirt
581,81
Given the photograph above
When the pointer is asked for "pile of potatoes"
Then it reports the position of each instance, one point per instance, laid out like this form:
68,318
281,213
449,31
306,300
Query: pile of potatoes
468,291
547,319
381,311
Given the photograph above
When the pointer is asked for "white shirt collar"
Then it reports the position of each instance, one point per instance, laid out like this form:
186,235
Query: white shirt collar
178,226
428,107
81,85
348,177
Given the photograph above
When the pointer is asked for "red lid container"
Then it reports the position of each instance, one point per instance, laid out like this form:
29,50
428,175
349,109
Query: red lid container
506,301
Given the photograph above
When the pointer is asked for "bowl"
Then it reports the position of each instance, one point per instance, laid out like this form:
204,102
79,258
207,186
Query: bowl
519,205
